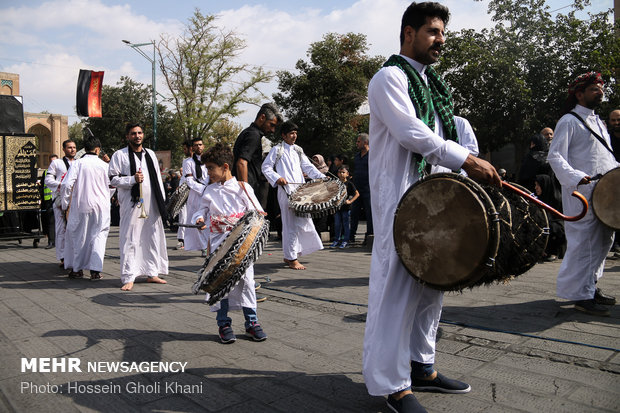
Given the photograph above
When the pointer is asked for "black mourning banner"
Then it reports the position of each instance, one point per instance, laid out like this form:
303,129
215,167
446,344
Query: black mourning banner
18,173
11,114
88,96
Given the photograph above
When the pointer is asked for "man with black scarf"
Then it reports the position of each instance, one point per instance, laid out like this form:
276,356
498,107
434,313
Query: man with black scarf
142,240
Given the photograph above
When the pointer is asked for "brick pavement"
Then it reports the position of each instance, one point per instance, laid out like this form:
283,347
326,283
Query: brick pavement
519,348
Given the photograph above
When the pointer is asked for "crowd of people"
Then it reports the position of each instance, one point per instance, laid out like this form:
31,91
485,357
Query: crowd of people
413,132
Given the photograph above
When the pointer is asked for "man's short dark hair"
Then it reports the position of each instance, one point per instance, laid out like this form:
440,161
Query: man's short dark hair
91,143
270,110
64,144
187,143
218,154
132,125
416,14
194,140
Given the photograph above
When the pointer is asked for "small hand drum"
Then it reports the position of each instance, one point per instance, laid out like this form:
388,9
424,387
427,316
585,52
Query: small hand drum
225,266
318,198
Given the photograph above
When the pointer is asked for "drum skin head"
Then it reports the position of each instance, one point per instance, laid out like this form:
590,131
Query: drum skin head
441,233
606,199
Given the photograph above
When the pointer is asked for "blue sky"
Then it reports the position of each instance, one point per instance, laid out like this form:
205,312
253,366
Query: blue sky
47,42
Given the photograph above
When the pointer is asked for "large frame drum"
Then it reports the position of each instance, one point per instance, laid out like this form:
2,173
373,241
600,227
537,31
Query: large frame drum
318,198
225,266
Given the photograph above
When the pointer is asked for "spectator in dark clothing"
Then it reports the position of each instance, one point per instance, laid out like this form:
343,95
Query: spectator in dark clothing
360,179
535,162
248,151
546,191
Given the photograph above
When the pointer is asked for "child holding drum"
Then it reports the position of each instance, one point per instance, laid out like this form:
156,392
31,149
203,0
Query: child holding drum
222,205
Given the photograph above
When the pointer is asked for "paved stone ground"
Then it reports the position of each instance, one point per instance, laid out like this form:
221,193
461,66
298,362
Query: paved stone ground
520,348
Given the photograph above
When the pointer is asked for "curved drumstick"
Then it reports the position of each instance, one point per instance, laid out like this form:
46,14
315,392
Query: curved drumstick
554,211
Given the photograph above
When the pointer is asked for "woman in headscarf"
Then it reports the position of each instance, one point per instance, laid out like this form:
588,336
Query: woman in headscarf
320,164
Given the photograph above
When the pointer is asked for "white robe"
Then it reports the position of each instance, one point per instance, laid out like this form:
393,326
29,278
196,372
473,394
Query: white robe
55,173
299,237
224,200
575,153
194,240
142,241
403,315
86,189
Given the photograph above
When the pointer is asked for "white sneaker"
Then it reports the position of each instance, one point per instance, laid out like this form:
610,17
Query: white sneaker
180,246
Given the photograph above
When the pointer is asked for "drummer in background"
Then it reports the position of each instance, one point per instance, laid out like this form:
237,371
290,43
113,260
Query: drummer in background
576,156
403,315
187,151
223,203
196,178
285,166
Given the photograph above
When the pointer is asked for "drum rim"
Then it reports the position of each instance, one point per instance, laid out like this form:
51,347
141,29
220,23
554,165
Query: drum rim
324,208
493,231
594,196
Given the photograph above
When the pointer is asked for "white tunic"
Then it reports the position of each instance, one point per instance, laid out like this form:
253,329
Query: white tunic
142,241
194,240
575,153
55,173
224,200
403,315
86,189
299,236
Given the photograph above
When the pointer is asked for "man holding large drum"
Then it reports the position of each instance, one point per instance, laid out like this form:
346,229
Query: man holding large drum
403,315
576,155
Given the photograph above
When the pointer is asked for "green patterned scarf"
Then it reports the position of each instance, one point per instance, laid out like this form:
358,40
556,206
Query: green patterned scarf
428,99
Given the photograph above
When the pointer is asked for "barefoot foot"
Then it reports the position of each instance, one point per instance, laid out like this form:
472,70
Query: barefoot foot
295,265
156,280
127,287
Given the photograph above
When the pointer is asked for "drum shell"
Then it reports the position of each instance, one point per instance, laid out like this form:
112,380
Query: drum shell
606,199
429,224
486,234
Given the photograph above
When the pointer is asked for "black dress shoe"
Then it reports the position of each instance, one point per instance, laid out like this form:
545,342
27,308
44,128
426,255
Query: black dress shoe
591,307
49,245
605,299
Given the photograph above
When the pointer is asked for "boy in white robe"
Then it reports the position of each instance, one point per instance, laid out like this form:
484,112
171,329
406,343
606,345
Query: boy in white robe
187,150
86,192
576,156
285,166
142,241
224,202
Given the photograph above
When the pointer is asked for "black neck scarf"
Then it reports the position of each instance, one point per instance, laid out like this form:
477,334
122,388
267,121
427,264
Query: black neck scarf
196,159
135,190
66,161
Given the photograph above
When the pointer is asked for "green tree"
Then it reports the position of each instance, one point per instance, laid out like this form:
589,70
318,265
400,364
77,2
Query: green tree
203,77
130,101
323,97
510,81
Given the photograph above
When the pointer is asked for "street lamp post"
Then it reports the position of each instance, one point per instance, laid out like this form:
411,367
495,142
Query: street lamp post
136,47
